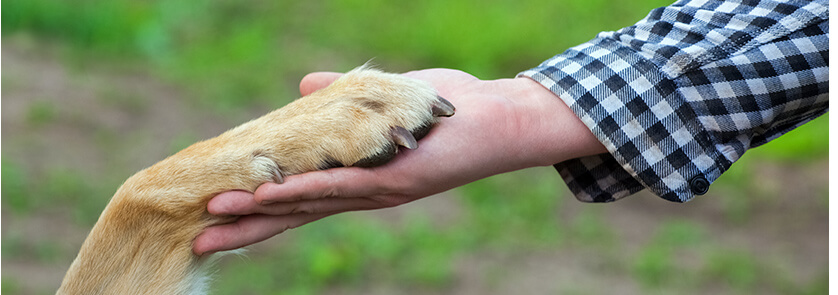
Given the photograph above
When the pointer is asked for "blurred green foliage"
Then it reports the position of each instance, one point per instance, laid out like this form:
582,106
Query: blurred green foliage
736,268
656,263
237,52
243,54
14,187
9,287
801,146
493,219
24,195
351,250
40,114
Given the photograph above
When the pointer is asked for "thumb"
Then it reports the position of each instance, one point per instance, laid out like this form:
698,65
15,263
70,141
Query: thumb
316,81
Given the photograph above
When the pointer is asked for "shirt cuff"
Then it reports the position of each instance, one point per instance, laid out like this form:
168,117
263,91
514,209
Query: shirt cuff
652,135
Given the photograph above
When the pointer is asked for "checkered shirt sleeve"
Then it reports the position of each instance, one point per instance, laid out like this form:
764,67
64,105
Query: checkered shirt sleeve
682,94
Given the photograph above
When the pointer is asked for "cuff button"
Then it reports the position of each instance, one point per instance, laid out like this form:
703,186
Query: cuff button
699,185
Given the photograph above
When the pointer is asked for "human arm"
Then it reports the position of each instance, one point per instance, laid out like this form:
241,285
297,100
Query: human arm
500,126
684,93
674,99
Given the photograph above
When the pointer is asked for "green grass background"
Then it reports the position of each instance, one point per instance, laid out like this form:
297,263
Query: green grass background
237,56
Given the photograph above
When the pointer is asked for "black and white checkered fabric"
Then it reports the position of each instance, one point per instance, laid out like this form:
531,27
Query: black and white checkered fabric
682,94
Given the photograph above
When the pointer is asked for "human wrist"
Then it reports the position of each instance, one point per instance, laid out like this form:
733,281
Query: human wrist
549,131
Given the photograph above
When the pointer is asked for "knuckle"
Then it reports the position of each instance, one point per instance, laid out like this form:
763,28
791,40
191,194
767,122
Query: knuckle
302,208
330,192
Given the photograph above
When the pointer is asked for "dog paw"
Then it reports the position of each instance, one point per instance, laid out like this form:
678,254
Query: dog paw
383,111
402,136
359,120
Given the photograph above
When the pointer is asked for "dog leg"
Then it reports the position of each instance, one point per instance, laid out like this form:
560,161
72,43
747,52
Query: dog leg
142,242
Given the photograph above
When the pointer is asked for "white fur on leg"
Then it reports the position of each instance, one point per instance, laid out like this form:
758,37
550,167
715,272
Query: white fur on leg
198,280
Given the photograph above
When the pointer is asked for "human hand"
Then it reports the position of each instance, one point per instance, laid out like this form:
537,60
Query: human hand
499,126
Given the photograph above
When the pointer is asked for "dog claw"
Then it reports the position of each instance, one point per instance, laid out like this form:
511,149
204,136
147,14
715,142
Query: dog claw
442,108
278,177
403,137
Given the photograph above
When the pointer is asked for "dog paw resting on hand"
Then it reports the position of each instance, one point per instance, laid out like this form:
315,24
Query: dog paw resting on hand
142,242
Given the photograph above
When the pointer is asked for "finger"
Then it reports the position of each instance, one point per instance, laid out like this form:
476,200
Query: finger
322,206
316,81
232,203
242,203
347,182
248,230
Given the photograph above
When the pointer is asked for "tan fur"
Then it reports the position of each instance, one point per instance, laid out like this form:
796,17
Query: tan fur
142,243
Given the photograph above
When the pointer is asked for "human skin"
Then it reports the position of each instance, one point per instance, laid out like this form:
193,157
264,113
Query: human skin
499,126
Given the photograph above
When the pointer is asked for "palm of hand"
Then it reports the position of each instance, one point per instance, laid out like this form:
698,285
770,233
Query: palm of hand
500,126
